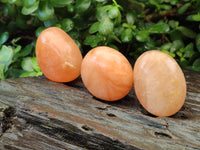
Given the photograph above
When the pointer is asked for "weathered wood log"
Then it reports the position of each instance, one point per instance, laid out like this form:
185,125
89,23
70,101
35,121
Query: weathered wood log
39,114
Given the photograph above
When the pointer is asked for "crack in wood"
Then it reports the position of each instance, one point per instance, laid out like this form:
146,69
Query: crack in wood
86,128
75,136
101,108
111,115
162,135
7,121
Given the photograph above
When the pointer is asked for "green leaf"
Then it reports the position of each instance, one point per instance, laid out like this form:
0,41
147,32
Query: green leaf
61,3
127,35
179,54
21,22
126,25
167,52
187,32
39,30
101,0
149,44
5,10
183,62
176,35
4,1
14,73
176,45
166,46
4,37
117,5
196,65
113,46
195,17
106,26
18,3
148,25
26,64
160,27
189,51
67,24
82,5
17,49
93,40
131,17
30,74
74,34
6,55
154,2
173,2
51,22
166,7
112,37
11,1
174,24
113,12
198,42
184,8
10,10
2,76
94,28
102,12
30,10
16,52
35,64
29,3
138,6
14,41
26,51
45,11
142,36
70,8
118,20
118,30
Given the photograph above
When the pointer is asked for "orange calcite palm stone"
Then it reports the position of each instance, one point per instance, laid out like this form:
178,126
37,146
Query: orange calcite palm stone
58,55
159,83
106,73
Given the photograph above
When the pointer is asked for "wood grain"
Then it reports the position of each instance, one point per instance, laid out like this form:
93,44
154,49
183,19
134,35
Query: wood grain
39,114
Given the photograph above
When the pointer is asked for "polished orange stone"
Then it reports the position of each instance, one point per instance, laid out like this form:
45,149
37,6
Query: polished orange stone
58,55
159,83
106,73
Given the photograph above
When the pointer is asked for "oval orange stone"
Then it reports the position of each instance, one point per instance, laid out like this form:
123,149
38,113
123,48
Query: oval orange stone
106,73
58,55
159,83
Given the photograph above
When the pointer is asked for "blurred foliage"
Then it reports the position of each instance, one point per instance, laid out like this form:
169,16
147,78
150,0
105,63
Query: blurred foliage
130,26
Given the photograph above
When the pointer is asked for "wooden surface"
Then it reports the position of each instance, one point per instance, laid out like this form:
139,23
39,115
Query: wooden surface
38,114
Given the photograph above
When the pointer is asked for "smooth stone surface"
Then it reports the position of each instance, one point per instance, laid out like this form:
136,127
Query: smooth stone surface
106,73
58,55
159,83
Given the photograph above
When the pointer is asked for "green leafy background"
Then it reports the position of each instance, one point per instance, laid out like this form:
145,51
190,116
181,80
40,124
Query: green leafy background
130,26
